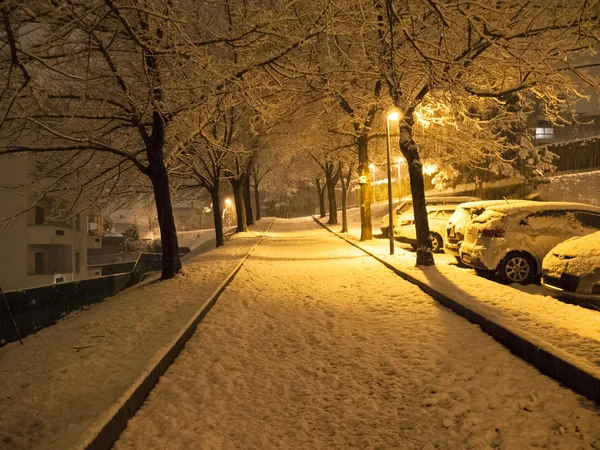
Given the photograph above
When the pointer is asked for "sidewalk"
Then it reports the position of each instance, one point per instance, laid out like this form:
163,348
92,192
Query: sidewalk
569,332
316,345
65,377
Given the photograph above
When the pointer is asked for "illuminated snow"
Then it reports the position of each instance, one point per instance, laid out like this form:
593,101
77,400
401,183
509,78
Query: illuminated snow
316,345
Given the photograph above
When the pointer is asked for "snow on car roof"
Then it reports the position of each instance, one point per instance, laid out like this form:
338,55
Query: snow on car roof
485,203
526,207
448,207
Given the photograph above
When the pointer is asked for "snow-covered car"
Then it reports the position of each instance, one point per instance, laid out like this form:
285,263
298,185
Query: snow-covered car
465,212
512,240
572,268
406,204
437,216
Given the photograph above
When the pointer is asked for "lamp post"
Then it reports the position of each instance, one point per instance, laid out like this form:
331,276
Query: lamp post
372,167
391,116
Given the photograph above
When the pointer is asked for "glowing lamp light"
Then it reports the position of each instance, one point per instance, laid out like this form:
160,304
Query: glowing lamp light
429,169
372,167
228,202
400,160
394,115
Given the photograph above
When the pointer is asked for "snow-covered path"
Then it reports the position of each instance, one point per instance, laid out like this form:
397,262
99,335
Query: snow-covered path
316,345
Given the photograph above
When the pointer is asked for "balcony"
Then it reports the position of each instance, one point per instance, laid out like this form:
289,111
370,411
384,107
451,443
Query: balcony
49,235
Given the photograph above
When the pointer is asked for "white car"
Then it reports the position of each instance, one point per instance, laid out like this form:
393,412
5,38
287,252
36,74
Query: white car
406,205
572,269
465,212
514,239
437,216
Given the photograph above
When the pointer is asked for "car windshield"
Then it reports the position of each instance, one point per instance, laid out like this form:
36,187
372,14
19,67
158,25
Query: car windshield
403,207
459,215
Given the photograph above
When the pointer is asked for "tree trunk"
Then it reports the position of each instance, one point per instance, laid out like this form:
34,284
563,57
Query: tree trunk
257,198
331,181
321,191
171,262
344,201
417,187
240,211
366,229
247,199
216,201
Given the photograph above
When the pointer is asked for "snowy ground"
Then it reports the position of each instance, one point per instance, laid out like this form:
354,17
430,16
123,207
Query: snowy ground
66,376
315,345
567,330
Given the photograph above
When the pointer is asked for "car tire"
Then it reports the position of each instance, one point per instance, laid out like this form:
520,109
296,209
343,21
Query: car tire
517,267
437,243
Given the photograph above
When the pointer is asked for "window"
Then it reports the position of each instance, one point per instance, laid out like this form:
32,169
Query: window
39,263
39,215
544,133
588,219
60,232
552,219
77,223
77,267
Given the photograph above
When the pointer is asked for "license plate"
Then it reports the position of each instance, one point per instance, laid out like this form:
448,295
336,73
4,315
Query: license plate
466,258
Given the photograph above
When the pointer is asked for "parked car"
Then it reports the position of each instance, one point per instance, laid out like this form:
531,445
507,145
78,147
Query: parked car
406,204
572,268
512,240
464,213
437,216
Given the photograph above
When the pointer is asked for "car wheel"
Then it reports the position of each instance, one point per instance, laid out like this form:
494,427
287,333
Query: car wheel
385,232
517,268
437,243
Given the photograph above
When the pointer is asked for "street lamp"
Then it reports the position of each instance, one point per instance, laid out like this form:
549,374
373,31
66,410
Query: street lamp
373,168
391,116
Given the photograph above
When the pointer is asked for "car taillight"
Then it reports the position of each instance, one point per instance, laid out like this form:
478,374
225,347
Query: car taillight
406,222
492,232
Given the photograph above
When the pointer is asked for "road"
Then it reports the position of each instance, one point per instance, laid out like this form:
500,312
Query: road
316,345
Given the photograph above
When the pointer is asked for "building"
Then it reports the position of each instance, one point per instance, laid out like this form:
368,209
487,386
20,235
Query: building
36,250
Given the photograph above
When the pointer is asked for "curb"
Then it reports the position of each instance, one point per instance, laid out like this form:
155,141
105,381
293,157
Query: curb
104,435
567,373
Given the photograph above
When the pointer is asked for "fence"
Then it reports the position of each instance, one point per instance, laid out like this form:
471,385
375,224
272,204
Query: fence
100,260
37,308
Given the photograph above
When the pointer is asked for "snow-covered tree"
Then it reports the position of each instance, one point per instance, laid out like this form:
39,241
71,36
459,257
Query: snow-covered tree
465,51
